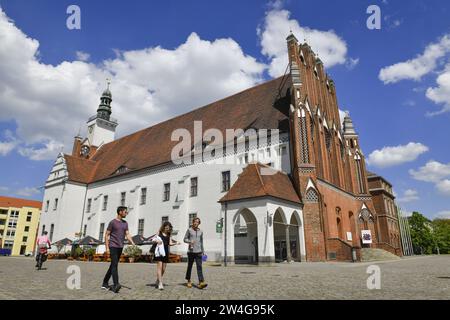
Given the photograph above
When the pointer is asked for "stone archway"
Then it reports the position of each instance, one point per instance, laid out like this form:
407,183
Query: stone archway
295,225
280,232
245,231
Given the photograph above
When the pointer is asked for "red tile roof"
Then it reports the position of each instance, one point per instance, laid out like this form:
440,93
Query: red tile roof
264,106
7,202
252,184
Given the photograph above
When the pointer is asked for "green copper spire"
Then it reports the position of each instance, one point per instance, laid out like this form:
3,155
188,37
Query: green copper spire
104,109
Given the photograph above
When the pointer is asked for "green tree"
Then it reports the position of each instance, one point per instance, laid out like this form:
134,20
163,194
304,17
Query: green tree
421,234
441,233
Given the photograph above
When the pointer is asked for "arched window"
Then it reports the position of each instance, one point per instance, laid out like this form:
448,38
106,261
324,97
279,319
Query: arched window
339,228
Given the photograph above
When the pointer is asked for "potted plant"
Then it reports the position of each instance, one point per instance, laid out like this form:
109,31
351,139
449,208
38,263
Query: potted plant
78,252
132,252
89,252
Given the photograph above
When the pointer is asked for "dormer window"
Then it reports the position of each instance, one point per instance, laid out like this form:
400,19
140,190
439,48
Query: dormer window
122,169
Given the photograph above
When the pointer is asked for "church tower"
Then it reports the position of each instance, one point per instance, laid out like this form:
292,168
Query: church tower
101,129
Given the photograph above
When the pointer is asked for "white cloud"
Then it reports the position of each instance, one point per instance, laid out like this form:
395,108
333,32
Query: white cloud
441,93
436,173
9,144
331,49
28,192
50,102
415,69
82,56
409,196
433,171
4,189
352,63
6,147
45,152
443,214
443,187
392,156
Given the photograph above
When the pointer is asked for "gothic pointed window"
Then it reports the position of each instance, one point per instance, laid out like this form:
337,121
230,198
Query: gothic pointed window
359,174
304,153
328,140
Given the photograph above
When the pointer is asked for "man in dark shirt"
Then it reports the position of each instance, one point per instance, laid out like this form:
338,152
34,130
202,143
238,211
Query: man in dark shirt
115,235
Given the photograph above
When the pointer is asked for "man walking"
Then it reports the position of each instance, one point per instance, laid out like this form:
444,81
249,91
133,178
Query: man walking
115,235
194,237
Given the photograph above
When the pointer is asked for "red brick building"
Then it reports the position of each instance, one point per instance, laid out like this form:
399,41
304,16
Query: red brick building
328,167
388,225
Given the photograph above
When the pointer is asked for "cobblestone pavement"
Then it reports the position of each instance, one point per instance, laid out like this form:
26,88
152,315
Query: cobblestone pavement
409,278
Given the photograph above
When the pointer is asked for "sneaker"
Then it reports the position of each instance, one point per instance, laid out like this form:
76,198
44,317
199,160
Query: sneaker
116,288
160,286
105,286
156,283
202,285
189,284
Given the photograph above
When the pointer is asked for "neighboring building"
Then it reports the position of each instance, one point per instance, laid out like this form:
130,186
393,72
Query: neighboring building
19,221
316,206
388,225
405,234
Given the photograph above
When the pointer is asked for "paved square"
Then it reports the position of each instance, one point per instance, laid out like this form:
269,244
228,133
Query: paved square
409,278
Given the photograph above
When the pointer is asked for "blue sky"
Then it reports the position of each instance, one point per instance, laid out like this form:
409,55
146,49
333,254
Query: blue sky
210,49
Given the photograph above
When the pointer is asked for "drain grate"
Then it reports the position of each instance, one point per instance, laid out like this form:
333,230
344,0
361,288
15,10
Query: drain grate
448,278
248,272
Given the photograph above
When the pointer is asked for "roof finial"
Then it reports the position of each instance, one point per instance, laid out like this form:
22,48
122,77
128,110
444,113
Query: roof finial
108,81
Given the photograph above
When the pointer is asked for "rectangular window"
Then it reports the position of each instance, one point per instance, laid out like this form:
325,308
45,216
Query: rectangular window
194,188
123,196
8,244
166,195
141,227
268,152
143,196
11,233
55,205
164,219
84,230
28,218
43,229
24,239
52,228
14,214
191,217
225,181
47,205
89,204
12,224
105,203
101,233
27,228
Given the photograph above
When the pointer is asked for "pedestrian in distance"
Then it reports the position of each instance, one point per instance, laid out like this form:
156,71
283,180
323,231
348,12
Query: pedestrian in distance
43,244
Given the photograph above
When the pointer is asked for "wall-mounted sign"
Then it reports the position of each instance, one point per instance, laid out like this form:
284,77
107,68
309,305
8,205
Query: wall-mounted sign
219,226
366,236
